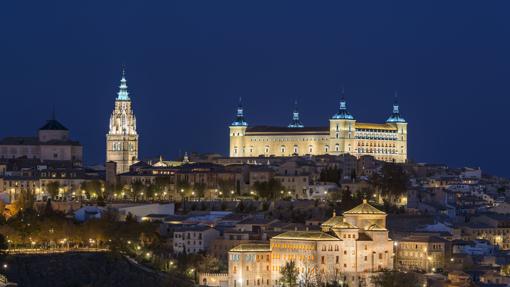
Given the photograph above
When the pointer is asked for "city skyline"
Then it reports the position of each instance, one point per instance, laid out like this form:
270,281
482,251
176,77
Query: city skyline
202,68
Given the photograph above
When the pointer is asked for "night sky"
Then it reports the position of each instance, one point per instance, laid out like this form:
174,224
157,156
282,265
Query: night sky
188,62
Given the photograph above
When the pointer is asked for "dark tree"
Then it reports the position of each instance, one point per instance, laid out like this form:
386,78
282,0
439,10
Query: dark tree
52,188
396,279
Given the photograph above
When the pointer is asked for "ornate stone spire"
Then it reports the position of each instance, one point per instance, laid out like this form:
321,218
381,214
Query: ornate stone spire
296,123
395,116
343,113
123,94
240,116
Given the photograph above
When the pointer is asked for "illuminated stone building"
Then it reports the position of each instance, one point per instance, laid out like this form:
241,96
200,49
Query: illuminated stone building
52,143
347,250
424,253
344,134
122,139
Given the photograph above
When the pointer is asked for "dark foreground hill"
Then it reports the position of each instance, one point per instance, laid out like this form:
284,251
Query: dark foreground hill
83,270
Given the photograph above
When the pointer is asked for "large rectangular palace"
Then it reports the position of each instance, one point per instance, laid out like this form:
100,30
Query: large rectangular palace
384,141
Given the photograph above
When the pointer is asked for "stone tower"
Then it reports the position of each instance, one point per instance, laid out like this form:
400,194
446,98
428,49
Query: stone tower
122,139
400,123
237,132
341,131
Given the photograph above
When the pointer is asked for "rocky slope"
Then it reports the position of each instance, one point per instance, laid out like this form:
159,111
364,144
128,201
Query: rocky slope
83,270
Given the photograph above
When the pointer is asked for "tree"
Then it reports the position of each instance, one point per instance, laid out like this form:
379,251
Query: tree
392,181
396,279
268,190
225,186
52,188
289,274
200,189
3,243
137,187
331,174
48,209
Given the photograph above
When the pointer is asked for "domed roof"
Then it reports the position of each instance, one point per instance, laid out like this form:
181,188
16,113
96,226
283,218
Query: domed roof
343,113
364,208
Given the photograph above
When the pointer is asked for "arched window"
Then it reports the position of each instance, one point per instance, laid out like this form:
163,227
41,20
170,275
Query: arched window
296,151
310,149
282,149
337,147
235,150
326,148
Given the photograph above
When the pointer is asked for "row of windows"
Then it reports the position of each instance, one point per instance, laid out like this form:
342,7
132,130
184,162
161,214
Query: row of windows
272,139
293,246
377,150
118,146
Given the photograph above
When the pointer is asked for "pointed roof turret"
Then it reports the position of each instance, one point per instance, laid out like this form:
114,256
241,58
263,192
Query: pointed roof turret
395,116
239,116
296,123
123,94
53,124
343,113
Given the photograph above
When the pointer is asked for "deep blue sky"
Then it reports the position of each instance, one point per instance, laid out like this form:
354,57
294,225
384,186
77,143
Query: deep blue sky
189,61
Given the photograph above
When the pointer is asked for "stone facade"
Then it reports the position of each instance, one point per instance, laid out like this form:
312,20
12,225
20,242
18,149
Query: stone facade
122,139
51,144
348,249
386,141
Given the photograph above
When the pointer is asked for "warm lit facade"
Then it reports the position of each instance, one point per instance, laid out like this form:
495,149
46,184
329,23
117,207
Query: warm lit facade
122,139
348,249
423,253
52,143
384,141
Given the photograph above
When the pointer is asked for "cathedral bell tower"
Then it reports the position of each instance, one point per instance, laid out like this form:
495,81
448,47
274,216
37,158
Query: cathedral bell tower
122,139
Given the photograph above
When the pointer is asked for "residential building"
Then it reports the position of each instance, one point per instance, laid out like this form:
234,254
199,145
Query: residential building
193,239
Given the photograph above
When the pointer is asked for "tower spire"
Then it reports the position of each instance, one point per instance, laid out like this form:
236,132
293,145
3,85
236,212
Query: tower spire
239,121
343,113
296,123
395,116
53,117
123,92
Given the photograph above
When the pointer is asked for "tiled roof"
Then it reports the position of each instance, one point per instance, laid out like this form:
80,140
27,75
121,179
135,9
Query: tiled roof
273,129
253,247
53,125
372,126
332,221
305,235
364,208
375,227
35,141
344,225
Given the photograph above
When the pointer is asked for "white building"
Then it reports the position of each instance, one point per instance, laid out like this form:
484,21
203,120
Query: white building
140,210
193,239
